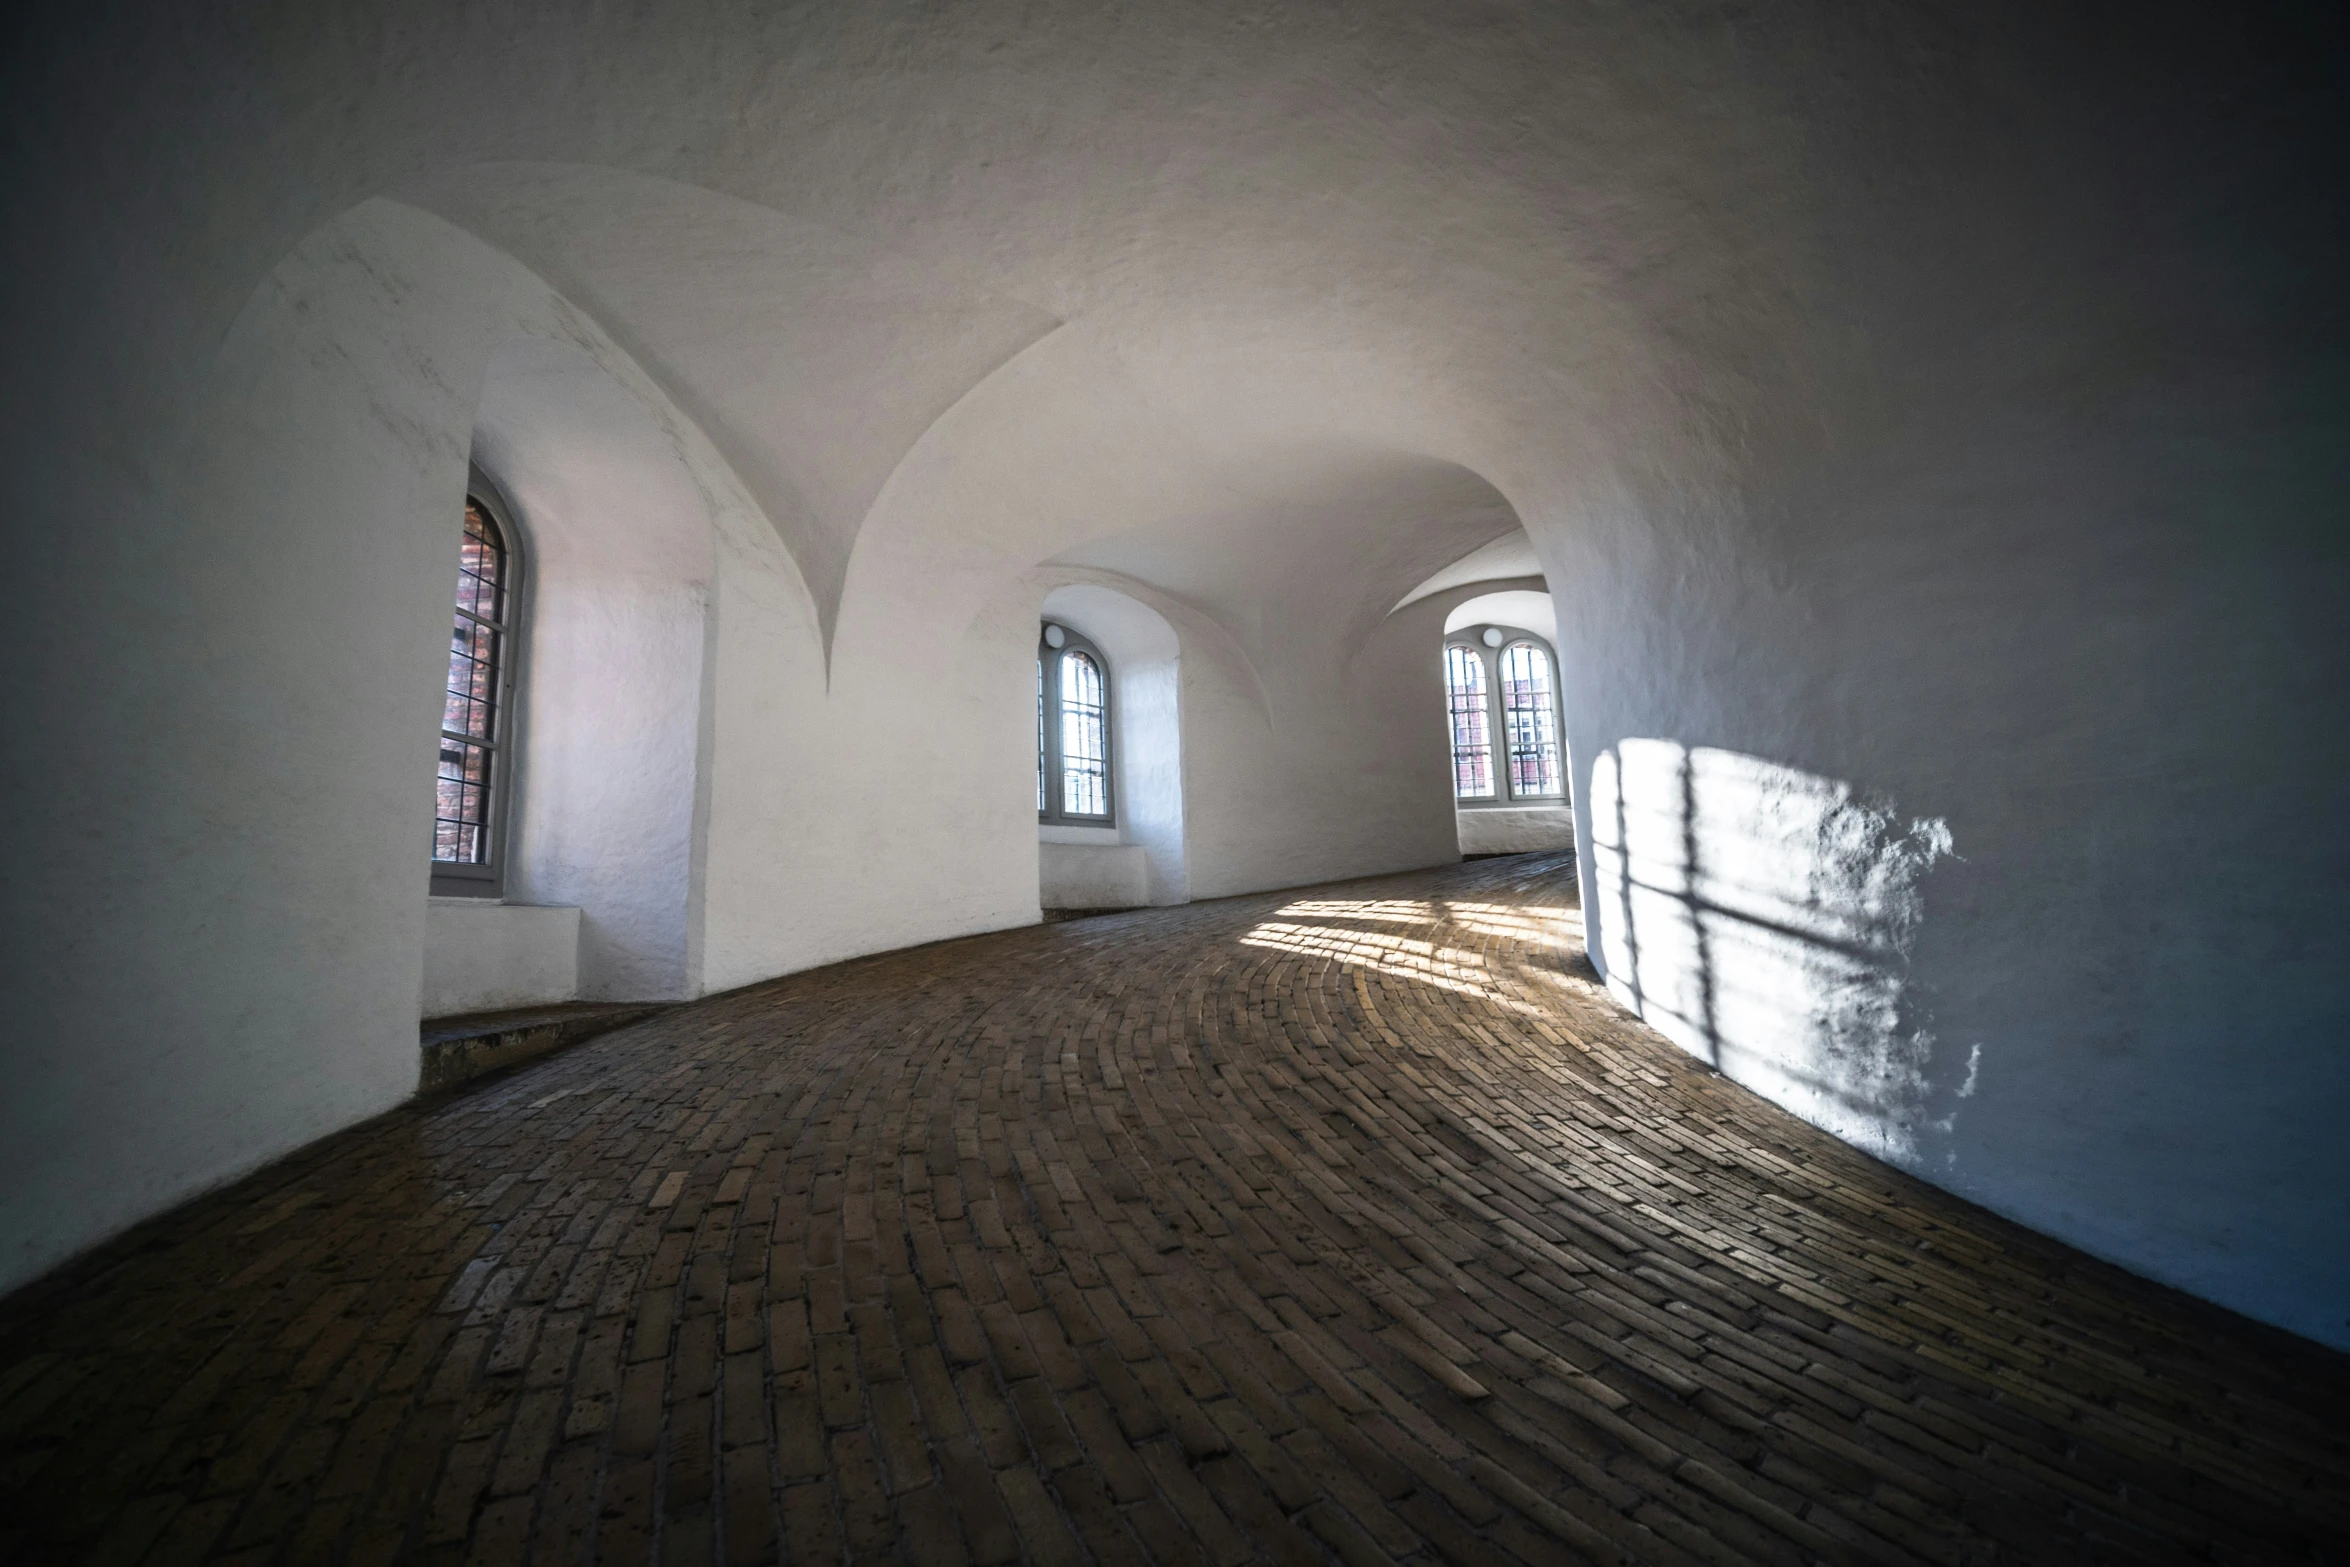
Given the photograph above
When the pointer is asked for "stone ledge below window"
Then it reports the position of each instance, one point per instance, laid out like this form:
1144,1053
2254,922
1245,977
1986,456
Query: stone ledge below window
1509,829
481,956
1093,875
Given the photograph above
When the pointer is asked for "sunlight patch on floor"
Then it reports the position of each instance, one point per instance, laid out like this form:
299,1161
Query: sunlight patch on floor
1401,911
1560,929
1399,957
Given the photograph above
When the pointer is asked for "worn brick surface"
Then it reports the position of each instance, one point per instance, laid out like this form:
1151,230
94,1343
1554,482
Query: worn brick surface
1354,1225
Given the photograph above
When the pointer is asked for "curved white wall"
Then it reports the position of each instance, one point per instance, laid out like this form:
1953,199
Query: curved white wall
1927,423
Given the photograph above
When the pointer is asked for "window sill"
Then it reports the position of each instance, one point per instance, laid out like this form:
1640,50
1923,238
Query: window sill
1064,832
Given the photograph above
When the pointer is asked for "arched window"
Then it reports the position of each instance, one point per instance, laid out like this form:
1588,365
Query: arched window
476,721
1501,687
1529,713
1073,783
1472,739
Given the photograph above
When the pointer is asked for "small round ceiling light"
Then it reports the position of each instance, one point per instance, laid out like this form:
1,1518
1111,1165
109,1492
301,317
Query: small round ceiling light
1054,636
1492,637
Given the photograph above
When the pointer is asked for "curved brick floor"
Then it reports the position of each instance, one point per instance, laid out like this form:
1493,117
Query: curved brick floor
1353,1224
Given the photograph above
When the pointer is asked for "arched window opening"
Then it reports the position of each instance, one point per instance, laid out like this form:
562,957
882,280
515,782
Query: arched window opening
475,753
1073,781
1085,737
1530,719
1472,743
1501,690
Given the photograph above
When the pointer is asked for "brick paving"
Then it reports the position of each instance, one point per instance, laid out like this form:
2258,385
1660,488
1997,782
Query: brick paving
1353,1225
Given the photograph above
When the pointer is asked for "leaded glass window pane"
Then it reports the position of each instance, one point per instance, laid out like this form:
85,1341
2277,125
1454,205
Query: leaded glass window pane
1531,718
1472,745
469,705
1085,751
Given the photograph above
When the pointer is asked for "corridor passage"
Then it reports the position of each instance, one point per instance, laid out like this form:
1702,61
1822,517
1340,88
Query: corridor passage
1353,1224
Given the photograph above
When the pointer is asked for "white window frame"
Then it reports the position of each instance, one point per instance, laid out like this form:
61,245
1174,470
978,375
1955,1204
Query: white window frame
1051,765
1489,655
487,878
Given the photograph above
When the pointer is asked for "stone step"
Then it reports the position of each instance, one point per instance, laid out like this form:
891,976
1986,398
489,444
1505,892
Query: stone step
470,1044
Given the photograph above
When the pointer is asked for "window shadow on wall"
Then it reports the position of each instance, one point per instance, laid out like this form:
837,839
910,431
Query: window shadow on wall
1762,918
